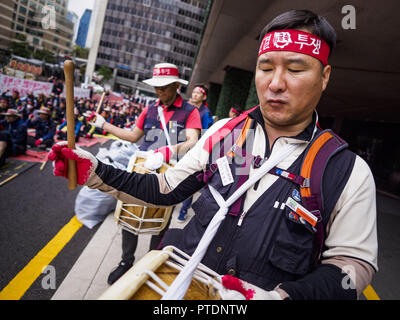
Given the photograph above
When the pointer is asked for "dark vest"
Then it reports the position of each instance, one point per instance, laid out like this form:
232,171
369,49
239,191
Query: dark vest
266,245
154,136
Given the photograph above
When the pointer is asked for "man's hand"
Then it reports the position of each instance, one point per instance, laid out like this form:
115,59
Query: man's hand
99,122
247,290
167,153
86,163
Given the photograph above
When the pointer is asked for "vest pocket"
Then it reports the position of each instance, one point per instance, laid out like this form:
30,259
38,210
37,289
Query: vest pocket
205,208
293,246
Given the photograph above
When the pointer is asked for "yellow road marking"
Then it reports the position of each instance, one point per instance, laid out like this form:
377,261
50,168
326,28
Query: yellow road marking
8,179
20,166
24,279
109,136
370,293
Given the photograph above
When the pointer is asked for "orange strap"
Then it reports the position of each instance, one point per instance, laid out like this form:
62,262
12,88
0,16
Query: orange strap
309,160
241,139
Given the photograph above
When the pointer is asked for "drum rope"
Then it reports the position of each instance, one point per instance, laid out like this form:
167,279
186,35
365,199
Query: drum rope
178,288
202,273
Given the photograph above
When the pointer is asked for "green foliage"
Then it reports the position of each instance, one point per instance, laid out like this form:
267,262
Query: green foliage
82,69
20,37
45,55
20,49
252,98
106,72
80,52
213,95
235,90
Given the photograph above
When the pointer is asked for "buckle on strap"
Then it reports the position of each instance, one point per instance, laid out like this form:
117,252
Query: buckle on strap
213,167
206,175
306,183
234,147
257,162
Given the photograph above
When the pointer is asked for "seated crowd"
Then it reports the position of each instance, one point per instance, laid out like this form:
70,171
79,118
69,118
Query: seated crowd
47,115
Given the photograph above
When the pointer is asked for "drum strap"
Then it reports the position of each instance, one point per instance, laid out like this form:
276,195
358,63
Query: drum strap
178,288
162,119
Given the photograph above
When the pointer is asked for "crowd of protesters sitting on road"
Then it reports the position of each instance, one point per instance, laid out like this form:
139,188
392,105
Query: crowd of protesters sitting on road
47,115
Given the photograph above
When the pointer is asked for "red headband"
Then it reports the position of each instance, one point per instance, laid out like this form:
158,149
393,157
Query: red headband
297,41
201,90
165,72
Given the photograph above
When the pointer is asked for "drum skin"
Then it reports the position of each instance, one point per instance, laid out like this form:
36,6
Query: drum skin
132,285
137,219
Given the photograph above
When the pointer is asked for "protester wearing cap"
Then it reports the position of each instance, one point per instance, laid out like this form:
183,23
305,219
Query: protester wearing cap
178,115
253,226
45,129
166,83
13,135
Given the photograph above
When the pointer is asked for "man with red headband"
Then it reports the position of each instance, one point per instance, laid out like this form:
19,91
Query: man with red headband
198,99
180,117
289,211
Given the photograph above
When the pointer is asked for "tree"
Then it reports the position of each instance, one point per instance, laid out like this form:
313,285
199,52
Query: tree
82,69
235,90
20,49
106,72
80,52
252,98
45,55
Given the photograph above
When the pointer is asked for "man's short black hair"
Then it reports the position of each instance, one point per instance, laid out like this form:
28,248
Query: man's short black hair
298,19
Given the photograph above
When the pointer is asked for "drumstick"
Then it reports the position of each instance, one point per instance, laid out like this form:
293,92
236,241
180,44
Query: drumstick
100,102
42,166
69,92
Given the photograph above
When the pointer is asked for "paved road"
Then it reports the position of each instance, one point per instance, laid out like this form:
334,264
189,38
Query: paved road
387,281
36,205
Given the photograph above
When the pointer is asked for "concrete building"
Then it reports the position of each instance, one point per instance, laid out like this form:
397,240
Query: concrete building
131,36
83,28
361,102
44,24
74,18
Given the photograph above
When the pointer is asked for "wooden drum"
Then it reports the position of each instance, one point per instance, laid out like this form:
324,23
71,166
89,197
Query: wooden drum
140,219
150,277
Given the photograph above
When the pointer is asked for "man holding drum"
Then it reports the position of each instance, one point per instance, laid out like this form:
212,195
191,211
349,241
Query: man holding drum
183,126
288,208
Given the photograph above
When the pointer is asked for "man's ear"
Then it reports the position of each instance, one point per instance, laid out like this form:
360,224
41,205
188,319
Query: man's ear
326,72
